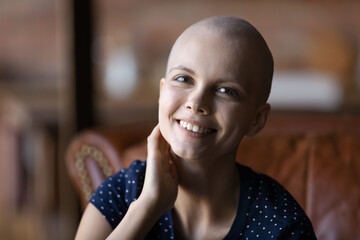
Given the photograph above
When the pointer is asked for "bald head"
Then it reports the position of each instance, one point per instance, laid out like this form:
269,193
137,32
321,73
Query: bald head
247,46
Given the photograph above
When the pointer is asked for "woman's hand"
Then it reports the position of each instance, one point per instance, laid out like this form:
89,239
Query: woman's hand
161,180
158,195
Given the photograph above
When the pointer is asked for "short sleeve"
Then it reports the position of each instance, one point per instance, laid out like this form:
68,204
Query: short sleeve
116,193
301,228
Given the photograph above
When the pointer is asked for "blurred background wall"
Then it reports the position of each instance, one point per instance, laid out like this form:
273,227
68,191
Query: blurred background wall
316,46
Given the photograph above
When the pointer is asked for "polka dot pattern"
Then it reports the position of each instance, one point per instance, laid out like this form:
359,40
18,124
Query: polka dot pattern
116,193
266,210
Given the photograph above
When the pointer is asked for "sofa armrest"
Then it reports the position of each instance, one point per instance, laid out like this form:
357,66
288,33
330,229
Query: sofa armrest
98,153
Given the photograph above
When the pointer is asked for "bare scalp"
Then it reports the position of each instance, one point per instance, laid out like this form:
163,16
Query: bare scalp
248,45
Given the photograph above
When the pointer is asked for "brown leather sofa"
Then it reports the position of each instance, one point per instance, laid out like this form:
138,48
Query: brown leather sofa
317,158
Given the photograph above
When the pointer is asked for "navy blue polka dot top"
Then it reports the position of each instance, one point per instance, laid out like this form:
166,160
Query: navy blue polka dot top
266,210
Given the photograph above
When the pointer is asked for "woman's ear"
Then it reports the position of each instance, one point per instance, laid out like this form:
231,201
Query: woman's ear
260,120
162,81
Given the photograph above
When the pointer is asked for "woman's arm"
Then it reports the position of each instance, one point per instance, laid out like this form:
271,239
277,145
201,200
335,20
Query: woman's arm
157,197
137,222
93,225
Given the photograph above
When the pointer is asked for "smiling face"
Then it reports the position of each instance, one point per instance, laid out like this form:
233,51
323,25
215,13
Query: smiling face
207,101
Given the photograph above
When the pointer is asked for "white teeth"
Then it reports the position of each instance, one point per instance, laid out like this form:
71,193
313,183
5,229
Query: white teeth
194,128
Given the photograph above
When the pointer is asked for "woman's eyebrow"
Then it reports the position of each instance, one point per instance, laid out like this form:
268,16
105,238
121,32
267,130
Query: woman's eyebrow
182,68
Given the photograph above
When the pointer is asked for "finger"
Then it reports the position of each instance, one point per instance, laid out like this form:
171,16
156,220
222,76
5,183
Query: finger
157,143
154,134
152,142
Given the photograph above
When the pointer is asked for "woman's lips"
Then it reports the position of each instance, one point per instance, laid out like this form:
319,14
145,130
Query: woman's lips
194,128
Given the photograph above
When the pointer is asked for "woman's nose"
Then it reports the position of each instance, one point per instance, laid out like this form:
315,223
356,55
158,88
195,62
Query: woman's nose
199,102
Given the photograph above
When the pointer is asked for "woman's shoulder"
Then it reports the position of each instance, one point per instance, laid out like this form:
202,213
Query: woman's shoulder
267,193
114,196
271,207
136,170
262,186
128,181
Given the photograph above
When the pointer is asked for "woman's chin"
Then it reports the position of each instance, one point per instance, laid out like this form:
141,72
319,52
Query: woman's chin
188,155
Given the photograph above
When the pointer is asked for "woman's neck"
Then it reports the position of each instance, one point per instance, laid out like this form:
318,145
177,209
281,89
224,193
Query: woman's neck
203,177
208,194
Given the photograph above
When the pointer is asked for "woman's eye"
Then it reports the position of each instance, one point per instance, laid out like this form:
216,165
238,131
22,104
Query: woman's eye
181,79
228,91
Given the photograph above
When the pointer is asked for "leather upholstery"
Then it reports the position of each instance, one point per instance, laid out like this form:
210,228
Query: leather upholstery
317,158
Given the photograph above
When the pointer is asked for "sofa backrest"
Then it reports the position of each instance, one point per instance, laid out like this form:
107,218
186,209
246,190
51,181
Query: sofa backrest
317,158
